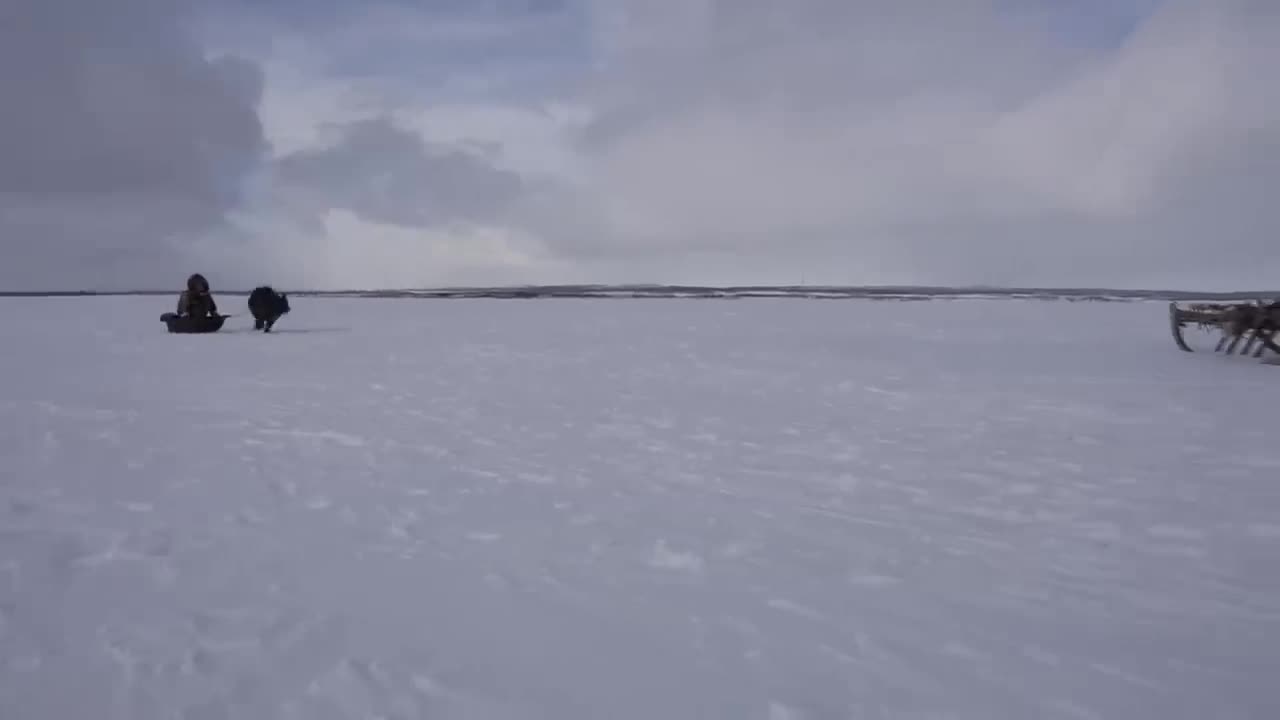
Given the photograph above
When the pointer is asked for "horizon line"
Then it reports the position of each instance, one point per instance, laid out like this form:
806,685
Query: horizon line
579,288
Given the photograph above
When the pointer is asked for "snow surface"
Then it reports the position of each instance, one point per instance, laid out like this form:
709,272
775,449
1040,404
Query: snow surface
655,509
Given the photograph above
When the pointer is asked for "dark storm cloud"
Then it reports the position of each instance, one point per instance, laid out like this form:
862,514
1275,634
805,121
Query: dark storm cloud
386,174
119,141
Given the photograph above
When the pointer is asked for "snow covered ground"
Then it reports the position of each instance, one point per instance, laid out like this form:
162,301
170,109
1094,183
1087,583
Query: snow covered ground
658,509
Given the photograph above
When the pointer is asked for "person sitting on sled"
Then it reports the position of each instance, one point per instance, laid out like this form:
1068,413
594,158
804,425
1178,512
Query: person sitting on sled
196,301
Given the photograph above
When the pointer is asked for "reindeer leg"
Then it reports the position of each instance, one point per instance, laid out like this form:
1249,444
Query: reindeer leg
1231,348
1270,344
1250,339
1265,336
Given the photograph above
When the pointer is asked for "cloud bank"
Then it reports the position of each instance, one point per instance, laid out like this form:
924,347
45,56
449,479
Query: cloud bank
1127,143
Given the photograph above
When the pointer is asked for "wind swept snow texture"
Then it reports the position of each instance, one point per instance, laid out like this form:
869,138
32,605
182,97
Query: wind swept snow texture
570,509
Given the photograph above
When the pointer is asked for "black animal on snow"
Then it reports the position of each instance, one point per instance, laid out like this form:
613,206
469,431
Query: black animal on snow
267,306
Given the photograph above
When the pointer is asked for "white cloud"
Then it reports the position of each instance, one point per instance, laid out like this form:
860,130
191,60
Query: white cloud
950,144
883,142
341,250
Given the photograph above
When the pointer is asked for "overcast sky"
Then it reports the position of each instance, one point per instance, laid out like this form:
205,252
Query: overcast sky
401,143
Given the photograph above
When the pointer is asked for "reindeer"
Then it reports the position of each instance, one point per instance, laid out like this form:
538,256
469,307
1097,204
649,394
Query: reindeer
1240,319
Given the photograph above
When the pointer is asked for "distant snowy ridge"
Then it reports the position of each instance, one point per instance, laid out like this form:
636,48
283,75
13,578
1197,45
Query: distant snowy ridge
816,292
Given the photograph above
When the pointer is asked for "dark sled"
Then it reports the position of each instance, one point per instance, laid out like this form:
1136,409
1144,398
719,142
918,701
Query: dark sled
187,324
1177,319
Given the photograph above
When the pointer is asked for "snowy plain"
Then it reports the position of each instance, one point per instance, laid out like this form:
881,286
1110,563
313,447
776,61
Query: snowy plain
563,509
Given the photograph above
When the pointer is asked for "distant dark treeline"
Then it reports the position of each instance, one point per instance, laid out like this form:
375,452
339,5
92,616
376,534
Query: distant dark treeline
709,292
